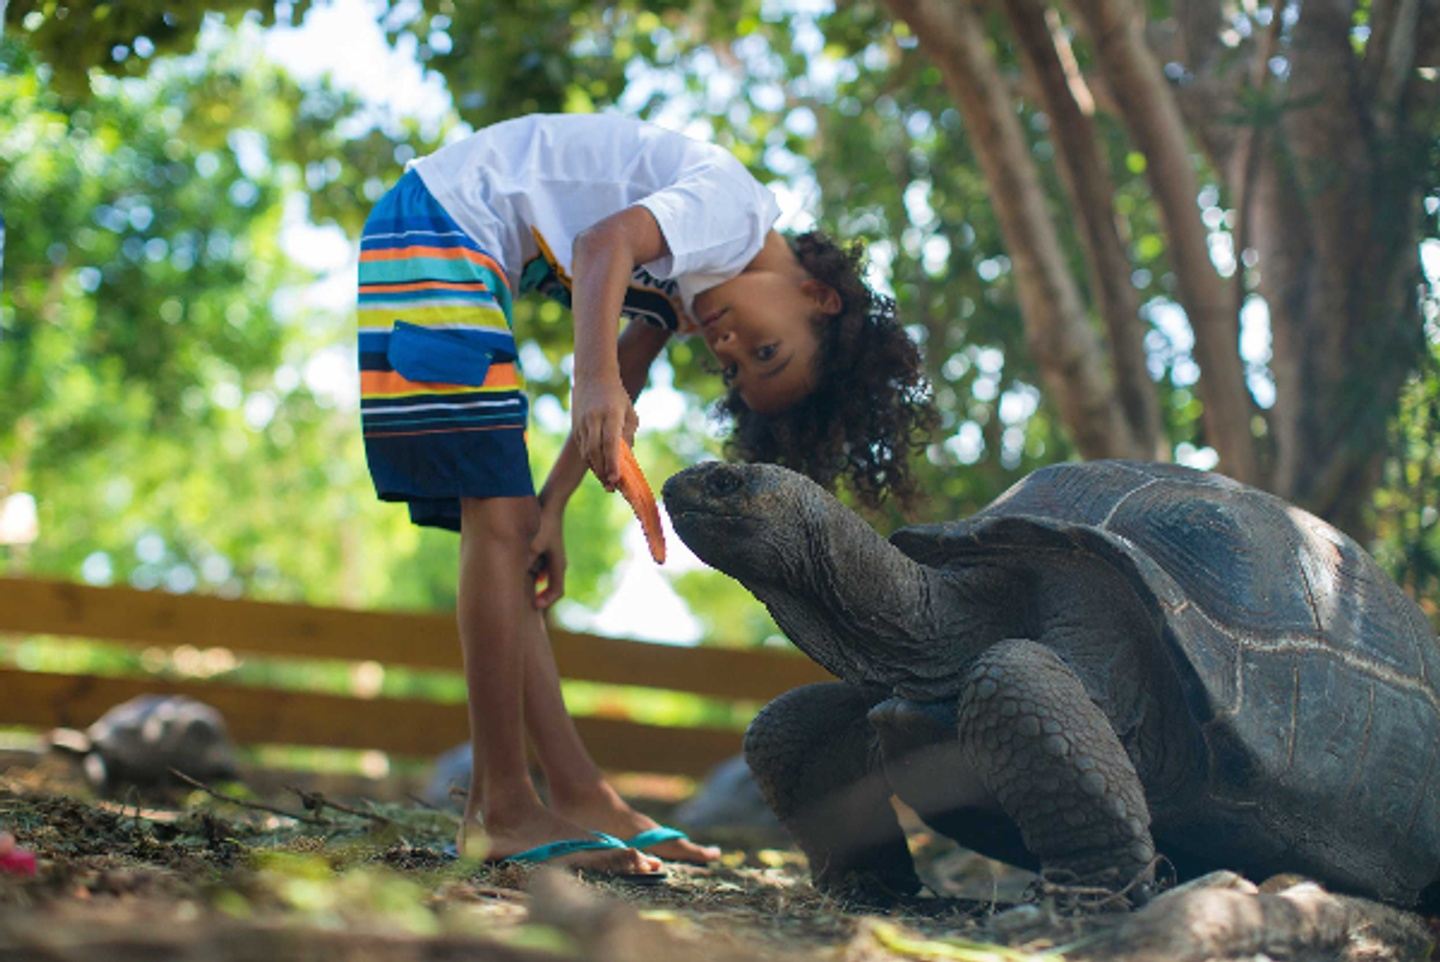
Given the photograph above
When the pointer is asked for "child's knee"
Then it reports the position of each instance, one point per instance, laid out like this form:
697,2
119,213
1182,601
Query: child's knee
513,521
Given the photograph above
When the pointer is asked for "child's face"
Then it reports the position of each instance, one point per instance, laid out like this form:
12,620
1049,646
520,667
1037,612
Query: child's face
760,325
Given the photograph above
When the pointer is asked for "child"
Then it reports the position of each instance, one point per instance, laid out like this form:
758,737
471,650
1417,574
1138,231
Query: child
610,216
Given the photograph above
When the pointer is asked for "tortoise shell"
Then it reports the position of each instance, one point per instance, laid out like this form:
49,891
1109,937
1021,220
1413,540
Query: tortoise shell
1309,675
139,741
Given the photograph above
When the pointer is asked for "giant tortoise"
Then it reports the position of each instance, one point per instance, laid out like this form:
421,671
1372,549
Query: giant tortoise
1110,657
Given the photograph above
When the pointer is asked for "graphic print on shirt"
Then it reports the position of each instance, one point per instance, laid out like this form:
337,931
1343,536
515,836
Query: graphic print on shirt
648,298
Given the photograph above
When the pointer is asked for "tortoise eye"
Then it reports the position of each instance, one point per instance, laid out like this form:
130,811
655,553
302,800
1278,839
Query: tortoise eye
724,481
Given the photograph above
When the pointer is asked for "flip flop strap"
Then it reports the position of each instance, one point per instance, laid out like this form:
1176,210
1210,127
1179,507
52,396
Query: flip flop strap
553,850
655,836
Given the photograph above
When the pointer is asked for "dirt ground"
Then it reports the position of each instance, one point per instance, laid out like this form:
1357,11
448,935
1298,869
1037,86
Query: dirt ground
200,879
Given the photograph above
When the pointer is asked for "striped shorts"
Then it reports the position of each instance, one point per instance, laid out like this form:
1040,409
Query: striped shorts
442,401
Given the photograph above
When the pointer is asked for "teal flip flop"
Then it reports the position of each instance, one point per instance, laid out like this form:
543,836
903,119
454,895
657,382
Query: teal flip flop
553,850
597,842
651,837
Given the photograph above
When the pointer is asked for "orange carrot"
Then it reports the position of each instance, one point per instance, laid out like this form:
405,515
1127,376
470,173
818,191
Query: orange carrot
642,500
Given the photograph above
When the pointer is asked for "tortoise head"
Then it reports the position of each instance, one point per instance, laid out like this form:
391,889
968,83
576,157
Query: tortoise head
830,581
747,520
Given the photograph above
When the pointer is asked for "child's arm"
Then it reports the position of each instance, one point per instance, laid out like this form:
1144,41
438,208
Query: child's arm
639,345
603,259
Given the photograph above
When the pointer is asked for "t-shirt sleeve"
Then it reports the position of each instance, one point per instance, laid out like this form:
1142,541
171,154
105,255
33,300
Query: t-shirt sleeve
714,218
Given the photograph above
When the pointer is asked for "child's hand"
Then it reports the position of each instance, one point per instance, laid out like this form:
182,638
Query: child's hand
600,415
547,557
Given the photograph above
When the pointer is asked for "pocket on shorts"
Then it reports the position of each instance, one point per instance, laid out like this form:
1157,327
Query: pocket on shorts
446,356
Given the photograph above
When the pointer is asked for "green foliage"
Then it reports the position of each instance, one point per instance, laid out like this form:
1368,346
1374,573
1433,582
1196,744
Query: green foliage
137,201
142,328
161,414
166,408
1407,508
123,39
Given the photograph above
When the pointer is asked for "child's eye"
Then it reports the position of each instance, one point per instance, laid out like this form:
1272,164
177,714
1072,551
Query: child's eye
728,372
766,352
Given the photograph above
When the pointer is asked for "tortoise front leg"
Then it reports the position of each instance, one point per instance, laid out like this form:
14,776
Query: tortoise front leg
927,770
1049,757
813,754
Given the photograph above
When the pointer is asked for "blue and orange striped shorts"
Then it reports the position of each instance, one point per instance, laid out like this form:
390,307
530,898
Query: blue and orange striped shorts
442,400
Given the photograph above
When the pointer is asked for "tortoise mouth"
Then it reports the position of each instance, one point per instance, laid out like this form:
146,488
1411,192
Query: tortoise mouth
698,520
713,536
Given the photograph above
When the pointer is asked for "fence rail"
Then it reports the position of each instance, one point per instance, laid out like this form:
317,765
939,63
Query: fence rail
402,726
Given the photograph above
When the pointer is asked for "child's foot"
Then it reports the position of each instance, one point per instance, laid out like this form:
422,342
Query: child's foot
603,810
515,833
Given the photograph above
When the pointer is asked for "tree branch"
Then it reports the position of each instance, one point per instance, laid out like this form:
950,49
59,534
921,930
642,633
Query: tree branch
1327,135
1427,41
1153,118
1208,93
1390,57
244,803
1325,127
317,802
1199,26
1249,144
1059,336
1241,175
1051,64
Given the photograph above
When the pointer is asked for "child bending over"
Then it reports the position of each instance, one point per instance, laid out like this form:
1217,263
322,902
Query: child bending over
614,218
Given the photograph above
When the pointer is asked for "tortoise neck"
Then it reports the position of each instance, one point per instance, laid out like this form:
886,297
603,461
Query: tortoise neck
871,615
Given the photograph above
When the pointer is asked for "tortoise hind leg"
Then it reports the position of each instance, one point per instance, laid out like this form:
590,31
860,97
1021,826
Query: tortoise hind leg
813,754
1051,760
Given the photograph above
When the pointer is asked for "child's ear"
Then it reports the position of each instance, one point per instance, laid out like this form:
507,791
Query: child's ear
826,298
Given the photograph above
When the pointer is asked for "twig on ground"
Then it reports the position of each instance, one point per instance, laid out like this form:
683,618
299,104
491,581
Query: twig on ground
244,803
317,802
427,805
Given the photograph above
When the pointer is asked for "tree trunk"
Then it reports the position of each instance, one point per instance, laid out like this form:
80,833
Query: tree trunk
1337,235
1056,327
1153,119
1326,174
1087,181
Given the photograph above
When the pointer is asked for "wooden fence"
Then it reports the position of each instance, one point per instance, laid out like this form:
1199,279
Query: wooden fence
402,726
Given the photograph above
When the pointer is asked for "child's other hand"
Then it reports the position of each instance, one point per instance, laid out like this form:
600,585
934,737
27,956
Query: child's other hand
601,414
547,558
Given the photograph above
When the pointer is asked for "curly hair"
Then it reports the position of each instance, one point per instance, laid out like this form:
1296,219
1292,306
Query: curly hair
871,408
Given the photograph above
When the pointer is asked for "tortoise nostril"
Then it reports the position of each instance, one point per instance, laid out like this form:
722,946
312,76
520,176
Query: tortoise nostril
723,481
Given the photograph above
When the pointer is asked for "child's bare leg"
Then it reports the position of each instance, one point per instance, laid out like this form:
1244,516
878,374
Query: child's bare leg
577,789
493,608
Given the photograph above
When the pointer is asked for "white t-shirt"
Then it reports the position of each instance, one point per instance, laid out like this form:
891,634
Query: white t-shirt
524,188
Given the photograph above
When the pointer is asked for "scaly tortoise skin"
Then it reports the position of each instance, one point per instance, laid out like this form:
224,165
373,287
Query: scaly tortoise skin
1110,657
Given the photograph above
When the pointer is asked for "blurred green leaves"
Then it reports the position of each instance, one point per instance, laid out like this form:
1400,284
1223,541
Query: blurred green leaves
163,397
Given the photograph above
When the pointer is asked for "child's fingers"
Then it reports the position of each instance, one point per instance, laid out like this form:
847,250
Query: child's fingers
611,440
632,424
592,449
548,570
554,588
